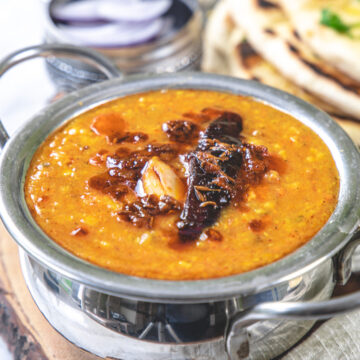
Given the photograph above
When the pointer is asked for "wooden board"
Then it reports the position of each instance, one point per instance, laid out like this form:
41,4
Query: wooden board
26,331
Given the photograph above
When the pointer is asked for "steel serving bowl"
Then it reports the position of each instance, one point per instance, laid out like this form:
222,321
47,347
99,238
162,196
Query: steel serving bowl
111,314
177,50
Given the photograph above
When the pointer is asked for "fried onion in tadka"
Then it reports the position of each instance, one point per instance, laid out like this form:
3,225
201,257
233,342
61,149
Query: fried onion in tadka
220,157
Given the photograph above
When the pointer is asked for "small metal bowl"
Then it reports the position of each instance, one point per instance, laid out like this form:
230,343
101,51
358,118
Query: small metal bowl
178,50
120,316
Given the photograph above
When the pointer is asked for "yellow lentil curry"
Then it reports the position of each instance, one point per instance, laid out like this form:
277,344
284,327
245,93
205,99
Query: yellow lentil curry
144,185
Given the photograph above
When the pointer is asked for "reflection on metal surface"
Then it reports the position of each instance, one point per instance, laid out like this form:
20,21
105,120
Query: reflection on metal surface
134,329
167,323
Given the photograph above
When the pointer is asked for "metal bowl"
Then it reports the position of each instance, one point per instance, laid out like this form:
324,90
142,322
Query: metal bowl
111,314
177,50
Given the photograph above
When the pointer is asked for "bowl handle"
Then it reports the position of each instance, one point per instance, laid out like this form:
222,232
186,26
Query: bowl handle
236,336
47,50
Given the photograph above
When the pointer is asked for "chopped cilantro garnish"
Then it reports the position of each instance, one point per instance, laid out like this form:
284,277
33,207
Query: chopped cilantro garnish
332,20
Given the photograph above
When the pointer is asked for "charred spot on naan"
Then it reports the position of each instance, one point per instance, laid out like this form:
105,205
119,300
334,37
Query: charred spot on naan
270,31
296,35
247,55
326,71
265,4
343,117
293,48
334,75
255,78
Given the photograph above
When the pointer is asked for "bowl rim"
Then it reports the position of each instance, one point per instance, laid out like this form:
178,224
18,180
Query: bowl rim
18,151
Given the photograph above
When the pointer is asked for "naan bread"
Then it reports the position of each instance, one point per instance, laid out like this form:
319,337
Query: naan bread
227,52
220,36
271,35
335,48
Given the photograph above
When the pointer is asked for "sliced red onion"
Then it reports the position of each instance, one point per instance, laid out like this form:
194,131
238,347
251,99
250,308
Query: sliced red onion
95,11
112,35
77,12
133,10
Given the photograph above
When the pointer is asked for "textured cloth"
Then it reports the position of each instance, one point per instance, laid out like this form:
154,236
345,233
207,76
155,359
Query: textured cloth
336,339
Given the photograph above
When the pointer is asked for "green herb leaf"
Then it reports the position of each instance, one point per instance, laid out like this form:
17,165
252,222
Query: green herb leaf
332,20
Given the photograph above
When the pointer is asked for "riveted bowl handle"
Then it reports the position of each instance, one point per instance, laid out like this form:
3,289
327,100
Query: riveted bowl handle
47,50
236,336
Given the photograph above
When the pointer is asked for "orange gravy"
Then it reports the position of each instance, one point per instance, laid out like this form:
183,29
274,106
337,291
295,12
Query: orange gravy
295,197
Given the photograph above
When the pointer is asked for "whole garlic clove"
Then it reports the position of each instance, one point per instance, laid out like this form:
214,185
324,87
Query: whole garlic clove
160,179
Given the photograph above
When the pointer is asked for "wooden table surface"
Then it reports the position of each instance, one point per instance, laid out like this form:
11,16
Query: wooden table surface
28,334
